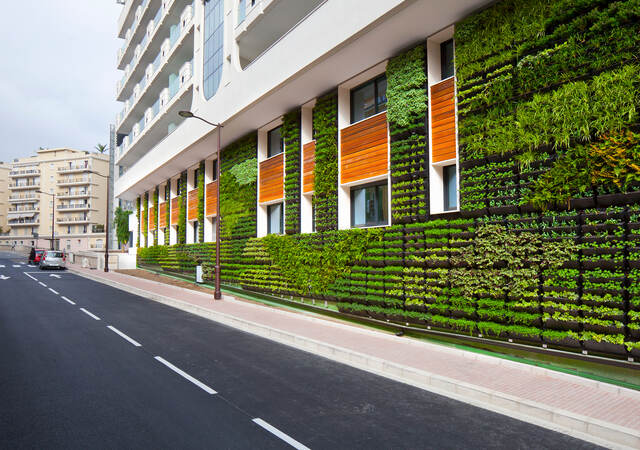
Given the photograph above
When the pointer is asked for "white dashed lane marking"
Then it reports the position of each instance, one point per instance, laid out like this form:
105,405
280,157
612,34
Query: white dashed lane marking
89,314
54,291
42,284
124,336
273,430
183,374
67,300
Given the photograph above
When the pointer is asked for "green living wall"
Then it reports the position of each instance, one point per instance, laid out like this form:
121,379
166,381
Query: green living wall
546,247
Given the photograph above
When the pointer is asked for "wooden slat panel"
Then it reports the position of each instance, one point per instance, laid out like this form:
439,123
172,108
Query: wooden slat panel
443,121
308,165
364,149
211,199
192,203
175,212
152,222
272,178
162,215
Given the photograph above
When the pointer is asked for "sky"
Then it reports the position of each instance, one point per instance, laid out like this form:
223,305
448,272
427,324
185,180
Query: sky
58,74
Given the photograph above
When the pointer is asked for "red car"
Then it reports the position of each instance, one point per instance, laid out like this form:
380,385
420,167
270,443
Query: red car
38,257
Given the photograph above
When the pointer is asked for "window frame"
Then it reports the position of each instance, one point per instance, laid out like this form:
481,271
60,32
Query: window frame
446,188
281,204
269,155
373,81
384,183
442,59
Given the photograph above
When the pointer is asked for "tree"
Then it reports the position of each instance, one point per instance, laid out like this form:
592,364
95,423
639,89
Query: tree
101,148
122,225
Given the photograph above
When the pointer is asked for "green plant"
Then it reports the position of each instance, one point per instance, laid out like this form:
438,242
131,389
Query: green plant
291,135
201,193
325,197
122,225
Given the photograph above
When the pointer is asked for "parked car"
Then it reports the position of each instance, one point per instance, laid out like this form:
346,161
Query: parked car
37,257
53,258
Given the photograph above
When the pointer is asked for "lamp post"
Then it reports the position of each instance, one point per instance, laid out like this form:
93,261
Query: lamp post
217,294
106,244
53,215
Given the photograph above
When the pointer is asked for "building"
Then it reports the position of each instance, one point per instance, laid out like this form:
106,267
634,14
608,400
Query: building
4,196
402,135
58,188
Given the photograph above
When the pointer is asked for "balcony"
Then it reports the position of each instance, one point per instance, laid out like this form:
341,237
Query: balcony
75,168
75,181
266,22
74,194
170,25
72,220
24,173
16,187
24,209
23,223
23,198
135,32
159,121
74,207
169,61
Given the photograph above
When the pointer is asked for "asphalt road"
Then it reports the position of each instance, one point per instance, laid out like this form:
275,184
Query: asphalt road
163,378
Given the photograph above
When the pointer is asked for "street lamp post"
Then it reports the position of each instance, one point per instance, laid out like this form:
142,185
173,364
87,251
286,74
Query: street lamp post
217,294
106,245
53,216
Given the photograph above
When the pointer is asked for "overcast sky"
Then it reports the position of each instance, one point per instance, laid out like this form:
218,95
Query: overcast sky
59,75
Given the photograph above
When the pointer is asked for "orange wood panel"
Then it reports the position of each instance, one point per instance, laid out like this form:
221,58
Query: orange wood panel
308,165
152,222
272,178
211,199
162,215
192,203
175,211
364,149
443,121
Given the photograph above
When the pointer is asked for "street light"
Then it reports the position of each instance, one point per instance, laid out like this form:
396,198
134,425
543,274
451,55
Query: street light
53,215
106,245
217,295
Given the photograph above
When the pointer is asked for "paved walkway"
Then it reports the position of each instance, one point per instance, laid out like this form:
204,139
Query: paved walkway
592,410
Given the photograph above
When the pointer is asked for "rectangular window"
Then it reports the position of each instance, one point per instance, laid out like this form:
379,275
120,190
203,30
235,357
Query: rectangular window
196,225
449,176
369,99
369,205
276,145
213,229
214,173
446,59
274,219
167,192
195,178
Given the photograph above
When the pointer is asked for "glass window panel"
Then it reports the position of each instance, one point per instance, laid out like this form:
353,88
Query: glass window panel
363,103
369,205
275,218
446,59
213,42
449,175
358,205
275,142
381,98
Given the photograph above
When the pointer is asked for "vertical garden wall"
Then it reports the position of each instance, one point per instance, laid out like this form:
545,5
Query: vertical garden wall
546,247
292,171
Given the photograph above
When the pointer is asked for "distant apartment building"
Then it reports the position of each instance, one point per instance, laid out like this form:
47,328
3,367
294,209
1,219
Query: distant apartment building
56,194
4,196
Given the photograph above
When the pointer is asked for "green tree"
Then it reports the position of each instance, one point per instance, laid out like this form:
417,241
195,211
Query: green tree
122,225
101,148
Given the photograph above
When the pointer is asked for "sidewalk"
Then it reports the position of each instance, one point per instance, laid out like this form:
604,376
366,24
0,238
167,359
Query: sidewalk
591,410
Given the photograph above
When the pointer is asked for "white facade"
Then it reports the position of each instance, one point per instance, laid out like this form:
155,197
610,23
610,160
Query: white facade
277,55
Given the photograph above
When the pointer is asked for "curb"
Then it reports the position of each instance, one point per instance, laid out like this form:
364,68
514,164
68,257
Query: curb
578,426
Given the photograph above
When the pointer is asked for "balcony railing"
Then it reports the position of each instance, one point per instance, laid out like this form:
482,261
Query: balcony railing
27,172
77,180
65,194
64,220
31,209
133,28
23,223
74,168
24,197
74,206
25,186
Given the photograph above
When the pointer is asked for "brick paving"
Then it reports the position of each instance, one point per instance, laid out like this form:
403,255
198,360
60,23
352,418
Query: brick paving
618,406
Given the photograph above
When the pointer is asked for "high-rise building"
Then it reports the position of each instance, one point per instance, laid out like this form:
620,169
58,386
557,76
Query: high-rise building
4,196
245,64
55,192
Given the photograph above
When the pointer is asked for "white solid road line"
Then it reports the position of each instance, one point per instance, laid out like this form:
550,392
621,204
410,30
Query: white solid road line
33,278
55,292
42,284
67,300
89,314
124,336
2,266
273,430
198,383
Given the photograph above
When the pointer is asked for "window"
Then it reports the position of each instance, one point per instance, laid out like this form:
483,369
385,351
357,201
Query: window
276,144
446,59
274,217
213,229
369,99
179,186
196,225
213,46
242,11
195,178
369,205
167,192
214,173
449,175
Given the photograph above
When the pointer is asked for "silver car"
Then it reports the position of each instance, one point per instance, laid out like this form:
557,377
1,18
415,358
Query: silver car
53,258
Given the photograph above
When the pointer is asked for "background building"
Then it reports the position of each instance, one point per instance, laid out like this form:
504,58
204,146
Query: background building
4,196
80,199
